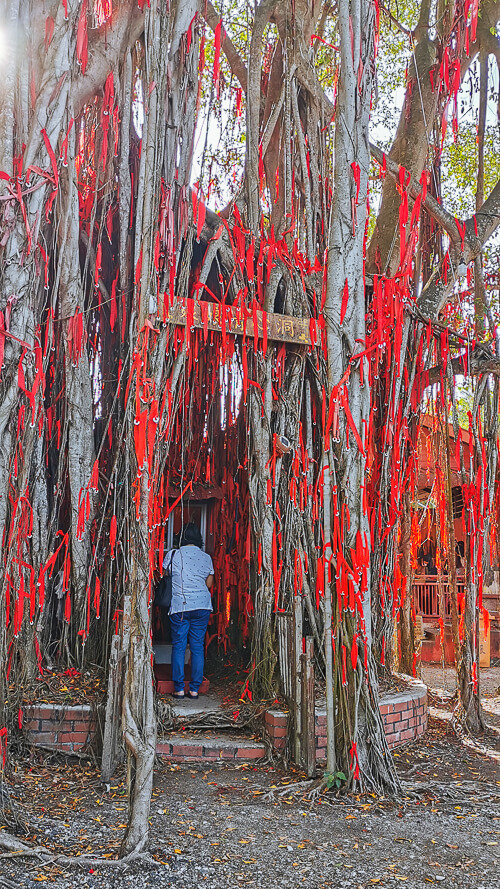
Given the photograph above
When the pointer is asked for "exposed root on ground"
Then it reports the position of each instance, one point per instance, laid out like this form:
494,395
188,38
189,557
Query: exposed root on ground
464,794
16,849
308,790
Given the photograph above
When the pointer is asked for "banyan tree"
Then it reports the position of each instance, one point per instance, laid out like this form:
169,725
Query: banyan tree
265,314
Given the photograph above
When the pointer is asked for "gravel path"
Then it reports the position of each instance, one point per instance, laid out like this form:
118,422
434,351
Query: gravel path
222,827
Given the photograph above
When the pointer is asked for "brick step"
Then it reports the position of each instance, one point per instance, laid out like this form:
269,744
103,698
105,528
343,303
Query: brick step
188,747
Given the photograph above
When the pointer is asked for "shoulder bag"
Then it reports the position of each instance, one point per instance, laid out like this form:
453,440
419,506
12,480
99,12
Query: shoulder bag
163,591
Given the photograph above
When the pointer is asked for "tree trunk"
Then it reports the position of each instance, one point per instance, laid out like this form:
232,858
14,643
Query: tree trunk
138,716
361,747
406,624
450,527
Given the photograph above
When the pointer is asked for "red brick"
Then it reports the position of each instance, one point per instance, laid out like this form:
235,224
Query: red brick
399,708
72,737
249,753
48,725
279,732
31,725
185,750
384,708
41,712
391,718
210,752
276,718
219,752
75,713
227,753
162,748
320,720
80,725
42,738
407,735
279,743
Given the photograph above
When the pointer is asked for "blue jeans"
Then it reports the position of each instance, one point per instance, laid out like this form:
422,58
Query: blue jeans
190,625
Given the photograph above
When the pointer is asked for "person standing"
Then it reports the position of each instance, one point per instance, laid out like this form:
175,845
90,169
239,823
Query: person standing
192,579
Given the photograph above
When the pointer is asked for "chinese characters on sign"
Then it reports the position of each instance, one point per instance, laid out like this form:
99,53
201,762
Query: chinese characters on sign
284,328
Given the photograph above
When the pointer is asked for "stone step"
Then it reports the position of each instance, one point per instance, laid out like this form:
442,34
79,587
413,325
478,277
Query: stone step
165,685
188,747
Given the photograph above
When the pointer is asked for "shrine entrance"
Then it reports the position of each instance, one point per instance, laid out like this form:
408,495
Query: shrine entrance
205,479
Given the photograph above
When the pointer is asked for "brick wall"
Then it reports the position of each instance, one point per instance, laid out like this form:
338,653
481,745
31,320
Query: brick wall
68,729
404,716
276,722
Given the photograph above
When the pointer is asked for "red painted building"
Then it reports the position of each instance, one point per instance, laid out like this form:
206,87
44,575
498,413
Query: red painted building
430,546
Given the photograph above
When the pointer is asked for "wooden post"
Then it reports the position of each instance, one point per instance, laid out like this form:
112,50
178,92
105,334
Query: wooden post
297,677
112,749
308,710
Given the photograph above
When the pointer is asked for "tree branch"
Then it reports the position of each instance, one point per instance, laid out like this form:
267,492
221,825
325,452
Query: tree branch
106,48
394,20
477,365
262,15
423,19
307,78
232,55
487,220
445,219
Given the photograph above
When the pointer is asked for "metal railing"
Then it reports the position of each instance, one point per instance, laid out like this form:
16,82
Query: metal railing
426,591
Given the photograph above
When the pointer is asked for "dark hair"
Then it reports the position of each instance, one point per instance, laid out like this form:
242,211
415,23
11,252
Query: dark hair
192,536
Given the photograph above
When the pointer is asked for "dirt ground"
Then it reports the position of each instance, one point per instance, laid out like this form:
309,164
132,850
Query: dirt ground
244,825
438,677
